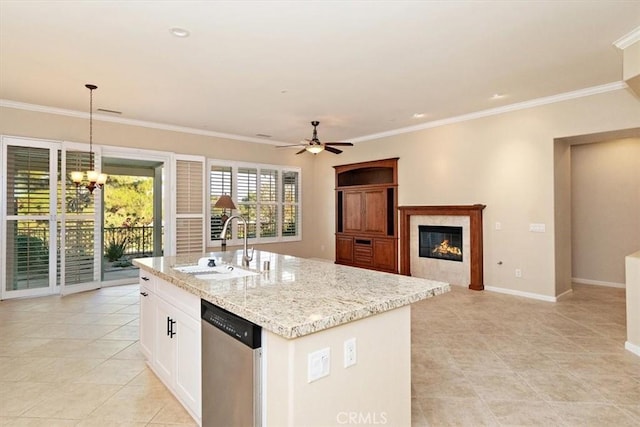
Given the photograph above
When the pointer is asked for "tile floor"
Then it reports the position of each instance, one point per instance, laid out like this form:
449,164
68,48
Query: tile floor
479,358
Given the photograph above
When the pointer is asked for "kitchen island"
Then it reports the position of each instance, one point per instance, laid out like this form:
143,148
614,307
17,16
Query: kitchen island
303,306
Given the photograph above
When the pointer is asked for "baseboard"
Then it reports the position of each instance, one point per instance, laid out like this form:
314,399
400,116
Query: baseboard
597,283
635,349
521,293
564,294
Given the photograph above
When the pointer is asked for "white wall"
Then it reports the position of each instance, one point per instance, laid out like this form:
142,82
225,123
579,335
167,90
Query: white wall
633,302
506,162
605,206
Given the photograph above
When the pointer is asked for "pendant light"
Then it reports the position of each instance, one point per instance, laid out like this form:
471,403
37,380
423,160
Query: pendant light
94,179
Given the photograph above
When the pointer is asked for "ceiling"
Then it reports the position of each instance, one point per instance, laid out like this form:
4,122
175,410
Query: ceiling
270,67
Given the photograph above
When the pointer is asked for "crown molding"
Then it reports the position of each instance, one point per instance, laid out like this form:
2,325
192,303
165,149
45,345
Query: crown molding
142,123
628,39
609,87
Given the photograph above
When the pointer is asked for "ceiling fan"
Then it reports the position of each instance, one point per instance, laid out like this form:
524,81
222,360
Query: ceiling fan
314,145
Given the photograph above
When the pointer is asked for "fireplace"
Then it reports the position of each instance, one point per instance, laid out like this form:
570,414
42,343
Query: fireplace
440,242
469,217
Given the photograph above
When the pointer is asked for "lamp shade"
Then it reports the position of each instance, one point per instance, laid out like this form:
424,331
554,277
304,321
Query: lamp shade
225,202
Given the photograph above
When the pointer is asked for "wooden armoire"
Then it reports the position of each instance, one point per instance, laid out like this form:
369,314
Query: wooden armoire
366,215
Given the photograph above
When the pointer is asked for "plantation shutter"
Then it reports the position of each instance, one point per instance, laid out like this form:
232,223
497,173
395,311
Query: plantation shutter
290,203
247,199
220,183
268,217
189,231
28,211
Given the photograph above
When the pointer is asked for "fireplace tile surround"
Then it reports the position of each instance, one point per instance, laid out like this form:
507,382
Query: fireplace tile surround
469,217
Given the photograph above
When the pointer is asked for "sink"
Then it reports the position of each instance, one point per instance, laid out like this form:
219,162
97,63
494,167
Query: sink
221,272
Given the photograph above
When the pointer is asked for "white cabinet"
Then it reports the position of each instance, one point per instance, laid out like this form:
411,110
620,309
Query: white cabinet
164,359
170,325
188,373
147,315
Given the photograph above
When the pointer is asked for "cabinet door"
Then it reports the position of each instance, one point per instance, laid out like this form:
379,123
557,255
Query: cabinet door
165,350
375,211
147,321
385,254
352,211
344,249
188,374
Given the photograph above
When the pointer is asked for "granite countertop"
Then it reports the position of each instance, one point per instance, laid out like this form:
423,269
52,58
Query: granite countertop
296,296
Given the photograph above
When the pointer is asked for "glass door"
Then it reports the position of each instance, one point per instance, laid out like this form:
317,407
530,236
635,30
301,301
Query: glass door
50,240
29,226
78,232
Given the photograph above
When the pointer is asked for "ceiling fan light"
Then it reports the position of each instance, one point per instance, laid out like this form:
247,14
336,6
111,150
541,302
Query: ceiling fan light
315,149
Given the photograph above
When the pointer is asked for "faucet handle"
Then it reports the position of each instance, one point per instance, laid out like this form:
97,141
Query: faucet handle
250,257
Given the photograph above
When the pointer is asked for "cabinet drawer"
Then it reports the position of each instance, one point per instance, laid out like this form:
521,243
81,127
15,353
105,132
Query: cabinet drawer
363,251
147,280
179,298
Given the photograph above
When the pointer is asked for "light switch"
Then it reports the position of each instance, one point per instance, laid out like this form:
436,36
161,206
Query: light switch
537,228
319,364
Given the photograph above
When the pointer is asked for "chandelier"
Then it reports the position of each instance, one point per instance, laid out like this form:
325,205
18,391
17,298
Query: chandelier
94,179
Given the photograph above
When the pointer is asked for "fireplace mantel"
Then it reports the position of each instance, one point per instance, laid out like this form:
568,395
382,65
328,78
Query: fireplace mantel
474,212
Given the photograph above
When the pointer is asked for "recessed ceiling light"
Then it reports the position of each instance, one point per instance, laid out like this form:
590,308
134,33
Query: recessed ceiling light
498,96
179,32
418,115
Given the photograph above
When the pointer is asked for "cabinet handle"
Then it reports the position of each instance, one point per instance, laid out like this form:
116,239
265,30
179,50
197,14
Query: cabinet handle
145,278
171,331
144,294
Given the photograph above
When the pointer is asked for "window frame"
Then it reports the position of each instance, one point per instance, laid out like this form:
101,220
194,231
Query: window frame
280,202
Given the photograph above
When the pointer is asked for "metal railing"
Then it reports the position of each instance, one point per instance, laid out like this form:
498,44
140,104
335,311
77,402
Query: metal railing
137,240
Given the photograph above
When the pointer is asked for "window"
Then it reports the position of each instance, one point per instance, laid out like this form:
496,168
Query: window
267,196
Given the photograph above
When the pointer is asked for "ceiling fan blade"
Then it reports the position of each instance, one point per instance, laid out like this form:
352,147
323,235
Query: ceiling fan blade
301,151
346,144
332,150
291,145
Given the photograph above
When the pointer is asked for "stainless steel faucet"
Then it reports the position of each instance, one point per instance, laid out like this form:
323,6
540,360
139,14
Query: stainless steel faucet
246,258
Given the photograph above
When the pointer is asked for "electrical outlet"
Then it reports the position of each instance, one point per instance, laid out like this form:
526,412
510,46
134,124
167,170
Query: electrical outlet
349,352
518,272
319,364
498,226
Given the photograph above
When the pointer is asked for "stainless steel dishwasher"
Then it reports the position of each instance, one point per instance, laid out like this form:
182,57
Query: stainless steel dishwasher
231,369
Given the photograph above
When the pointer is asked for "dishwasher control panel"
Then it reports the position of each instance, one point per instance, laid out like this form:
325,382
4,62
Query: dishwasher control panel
241,329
